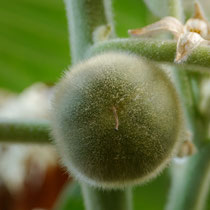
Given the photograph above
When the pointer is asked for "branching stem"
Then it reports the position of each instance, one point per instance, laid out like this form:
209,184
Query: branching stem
156,50
98,199
190,182
84,16
24,131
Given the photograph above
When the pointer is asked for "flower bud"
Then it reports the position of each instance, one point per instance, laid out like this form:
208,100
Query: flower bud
116,120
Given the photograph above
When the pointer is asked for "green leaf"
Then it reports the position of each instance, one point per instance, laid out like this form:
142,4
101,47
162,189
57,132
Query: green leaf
34,38
71,198
34,42
130,14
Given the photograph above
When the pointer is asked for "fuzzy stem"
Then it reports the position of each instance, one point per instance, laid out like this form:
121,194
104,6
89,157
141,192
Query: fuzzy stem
190,179
106,199
84,16
162,51
191,182
24,131
181,77
175,8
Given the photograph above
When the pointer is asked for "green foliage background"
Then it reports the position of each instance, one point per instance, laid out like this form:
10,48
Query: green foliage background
34,47
34,38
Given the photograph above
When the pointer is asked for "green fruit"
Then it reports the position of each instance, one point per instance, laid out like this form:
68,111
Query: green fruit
116,120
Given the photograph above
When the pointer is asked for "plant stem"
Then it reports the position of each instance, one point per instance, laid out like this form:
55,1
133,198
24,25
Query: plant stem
100,199
190,179
84,16
191,182
24,131
175,8
161,51
180,77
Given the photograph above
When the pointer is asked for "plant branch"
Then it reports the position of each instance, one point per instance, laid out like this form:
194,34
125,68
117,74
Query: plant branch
84,16
180,77
156,50
190,179
24,131
190,182
106,199
175,8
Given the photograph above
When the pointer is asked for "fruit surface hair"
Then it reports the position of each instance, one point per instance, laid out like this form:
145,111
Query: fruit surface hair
116,120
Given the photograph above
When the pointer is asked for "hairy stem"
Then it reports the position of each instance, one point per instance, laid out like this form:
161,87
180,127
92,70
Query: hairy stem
175,8
84,16
24,131
190,179
190,182
106,199
161,51
180,77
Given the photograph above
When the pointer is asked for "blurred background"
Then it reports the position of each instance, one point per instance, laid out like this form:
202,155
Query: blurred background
34,51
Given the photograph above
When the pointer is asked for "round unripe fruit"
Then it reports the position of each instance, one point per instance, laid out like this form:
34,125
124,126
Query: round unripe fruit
116,120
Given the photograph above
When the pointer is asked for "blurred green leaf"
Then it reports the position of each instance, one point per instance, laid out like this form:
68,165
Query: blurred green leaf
33,42
34,38
152,195
130,14
71,198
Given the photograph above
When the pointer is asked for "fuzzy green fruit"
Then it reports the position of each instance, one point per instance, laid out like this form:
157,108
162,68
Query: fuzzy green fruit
116,120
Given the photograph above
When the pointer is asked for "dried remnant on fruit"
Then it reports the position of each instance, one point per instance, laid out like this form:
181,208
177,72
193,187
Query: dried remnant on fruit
116,120
195,32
